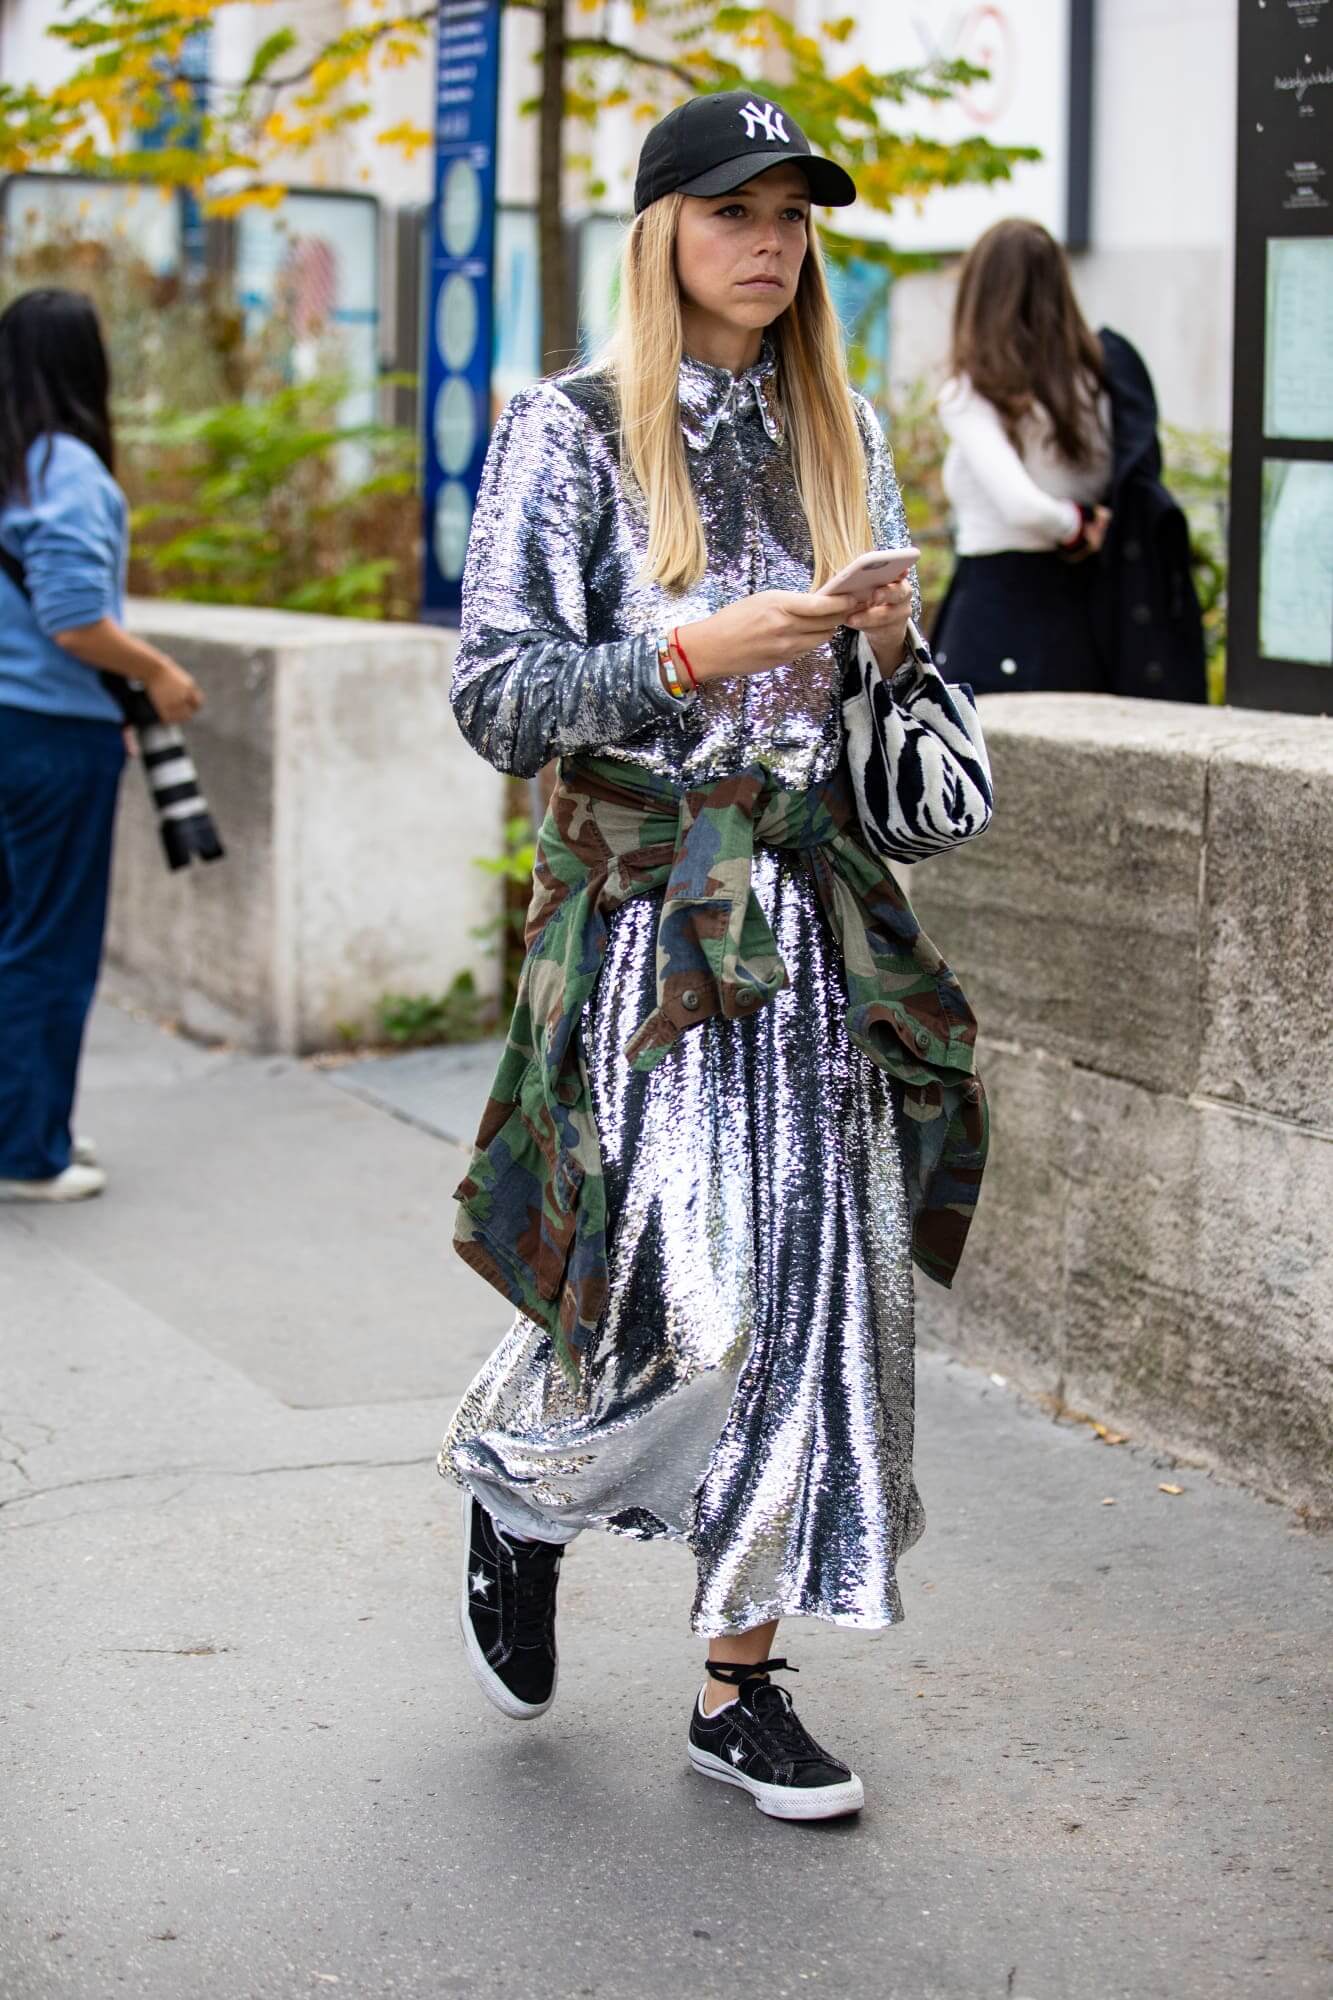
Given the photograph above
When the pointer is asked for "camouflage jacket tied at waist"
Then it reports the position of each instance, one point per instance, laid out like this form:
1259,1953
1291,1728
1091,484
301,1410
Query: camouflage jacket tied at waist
532,1218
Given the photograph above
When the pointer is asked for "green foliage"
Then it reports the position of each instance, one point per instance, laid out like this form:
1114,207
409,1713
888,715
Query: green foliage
461,1014
272,501
457,1015
245,486
131,79
1198,472
157,330
513,868
917,442
520,852
847,110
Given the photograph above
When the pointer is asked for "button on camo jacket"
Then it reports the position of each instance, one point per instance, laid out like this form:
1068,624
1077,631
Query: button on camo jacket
532,1216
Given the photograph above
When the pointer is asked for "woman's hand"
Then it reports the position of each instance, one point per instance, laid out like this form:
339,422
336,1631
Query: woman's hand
175,694
884,623
1095,532
1092,531
758,633
107,646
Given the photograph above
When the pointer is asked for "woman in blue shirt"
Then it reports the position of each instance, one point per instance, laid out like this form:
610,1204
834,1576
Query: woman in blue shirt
63,524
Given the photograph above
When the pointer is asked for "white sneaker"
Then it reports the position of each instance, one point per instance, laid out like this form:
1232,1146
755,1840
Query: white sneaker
84,1152
75,1184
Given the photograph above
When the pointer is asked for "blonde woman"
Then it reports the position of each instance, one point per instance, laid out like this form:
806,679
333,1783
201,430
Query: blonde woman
695,1177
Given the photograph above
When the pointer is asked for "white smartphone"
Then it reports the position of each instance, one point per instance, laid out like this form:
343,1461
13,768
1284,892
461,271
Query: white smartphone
868,572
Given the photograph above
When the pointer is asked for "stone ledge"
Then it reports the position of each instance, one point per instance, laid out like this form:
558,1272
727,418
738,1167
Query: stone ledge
352,812
1144,935
1149,899
1266,934
1164,1262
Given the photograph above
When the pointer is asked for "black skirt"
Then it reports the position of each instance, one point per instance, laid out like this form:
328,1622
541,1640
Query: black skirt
1020,623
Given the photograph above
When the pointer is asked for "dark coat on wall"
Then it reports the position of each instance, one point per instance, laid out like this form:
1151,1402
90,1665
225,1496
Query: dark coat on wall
1145,611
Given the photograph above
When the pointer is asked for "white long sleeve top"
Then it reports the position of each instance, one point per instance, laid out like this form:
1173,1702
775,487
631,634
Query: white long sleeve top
1006,499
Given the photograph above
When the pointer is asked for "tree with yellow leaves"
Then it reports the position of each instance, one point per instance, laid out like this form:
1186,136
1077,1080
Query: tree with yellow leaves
133,107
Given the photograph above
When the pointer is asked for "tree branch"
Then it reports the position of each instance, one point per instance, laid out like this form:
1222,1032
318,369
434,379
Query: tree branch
600,46
374,33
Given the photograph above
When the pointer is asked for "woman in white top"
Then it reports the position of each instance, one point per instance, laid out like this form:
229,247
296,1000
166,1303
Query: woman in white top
1027,416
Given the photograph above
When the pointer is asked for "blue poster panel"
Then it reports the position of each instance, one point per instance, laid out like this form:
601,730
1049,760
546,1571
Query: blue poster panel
456,407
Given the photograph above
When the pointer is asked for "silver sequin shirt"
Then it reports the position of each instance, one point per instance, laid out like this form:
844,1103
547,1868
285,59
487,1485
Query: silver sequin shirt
558,649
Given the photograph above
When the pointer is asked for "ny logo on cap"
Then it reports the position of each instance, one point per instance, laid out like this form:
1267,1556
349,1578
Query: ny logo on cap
766,115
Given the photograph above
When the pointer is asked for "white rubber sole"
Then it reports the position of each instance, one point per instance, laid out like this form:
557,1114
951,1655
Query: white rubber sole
483,1673
783,1801
77,1183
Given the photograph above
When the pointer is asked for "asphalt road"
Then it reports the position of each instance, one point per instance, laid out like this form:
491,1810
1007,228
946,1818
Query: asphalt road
241,1755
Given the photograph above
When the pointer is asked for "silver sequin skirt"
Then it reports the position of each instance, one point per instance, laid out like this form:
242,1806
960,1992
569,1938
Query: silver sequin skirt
750,1388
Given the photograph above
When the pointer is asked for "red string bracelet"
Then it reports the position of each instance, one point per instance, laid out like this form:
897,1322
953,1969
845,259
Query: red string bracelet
685,658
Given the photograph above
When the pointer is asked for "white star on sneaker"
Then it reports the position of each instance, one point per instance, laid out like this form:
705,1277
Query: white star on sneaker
736,1753
481,1583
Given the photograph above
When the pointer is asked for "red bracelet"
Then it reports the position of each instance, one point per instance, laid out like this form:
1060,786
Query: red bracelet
685,658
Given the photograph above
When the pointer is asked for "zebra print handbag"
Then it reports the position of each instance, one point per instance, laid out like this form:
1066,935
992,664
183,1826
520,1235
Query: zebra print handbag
916,754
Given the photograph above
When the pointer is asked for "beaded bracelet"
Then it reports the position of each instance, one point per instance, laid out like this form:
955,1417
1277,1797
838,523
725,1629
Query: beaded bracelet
667,668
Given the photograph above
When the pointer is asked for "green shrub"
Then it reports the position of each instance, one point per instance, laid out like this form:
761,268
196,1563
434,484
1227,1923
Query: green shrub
917,441
514,869
457,1015
460,1014
254,505
1198,472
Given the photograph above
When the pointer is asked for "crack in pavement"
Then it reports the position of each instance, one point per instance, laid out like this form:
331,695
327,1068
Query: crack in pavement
196,1472
13,1450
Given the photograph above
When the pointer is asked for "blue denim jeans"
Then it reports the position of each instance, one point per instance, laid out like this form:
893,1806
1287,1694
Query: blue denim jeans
59,776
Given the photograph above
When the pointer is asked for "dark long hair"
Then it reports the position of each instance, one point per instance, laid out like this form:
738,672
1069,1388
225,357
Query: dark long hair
1019,337
54,376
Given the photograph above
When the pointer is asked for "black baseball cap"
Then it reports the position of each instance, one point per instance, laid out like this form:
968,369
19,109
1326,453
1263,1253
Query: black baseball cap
712,145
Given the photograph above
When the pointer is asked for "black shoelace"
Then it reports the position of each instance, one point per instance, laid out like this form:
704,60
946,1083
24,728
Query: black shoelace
534,1573
771,1706
736,1673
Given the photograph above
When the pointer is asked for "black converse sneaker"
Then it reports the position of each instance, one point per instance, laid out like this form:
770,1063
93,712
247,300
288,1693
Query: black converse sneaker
508,1613
758,1743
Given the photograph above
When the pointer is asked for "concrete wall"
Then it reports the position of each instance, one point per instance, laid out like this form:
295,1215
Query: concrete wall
1144,937
352,812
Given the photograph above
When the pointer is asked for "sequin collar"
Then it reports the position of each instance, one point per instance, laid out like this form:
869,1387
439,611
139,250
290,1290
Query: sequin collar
710,396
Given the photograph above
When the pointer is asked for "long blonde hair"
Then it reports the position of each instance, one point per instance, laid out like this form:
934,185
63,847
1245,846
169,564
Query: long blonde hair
827,453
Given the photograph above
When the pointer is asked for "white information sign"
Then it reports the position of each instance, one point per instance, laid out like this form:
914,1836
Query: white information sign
1298,342
1024,44
1296,566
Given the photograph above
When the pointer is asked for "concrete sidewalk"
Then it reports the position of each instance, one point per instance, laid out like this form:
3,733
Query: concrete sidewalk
242,1756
